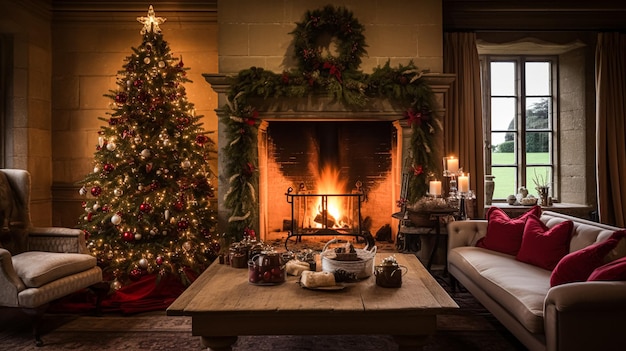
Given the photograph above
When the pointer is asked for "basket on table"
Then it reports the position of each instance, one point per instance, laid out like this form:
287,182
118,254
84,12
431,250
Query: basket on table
360,263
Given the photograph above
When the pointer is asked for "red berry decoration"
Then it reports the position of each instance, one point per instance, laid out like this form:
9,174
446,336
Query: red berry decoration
96,191
128,236
145,207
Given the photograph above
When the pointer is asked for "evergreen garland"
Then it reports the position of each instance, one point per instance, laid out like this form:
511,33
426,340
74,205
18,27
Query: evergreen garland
338,77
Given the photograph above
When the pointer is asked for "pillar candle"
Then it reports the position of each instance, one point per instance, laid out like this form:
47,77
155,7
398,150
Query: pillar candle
464,183
453,164
435,188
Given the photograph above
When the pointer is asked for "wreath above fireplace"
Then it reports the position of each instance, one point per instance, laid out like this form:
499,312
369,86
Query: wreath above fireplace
339,77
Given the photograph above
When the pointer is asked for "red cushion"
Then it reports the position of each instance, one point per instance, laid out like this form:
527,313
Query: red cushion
503,233
615,270
578,265
542,246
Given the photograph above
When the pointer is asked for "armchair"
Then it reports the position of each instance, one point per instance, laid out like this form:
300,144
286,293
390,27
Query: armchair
37,264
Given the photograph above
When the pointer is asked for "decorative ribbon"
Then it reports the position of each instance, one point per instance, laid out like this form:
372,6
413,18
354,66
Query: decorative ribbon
418,169
414,117
333,70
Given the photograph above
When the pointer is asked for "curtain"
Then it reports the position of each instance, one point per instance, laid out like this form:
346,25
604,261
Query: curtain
611,127
463,127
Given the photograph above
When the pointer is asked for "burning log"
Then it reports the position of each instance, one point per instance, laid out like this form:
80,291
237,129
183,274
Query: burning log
330,220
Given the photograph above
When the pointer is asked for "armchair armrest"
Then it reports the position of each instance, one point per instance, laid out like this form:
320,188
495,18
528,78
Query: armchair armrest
10,283
585,316
466,233
56,239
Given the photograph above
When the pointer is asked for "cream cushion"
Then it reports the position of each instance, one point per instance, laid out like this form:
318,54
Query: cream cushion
37,268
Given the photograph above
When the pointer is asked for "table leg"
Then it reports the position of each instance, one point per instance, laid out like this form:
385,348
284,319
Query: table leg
219,343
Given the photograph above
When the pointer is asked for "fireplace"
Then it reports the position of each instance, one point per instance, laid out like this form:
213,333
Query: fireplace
301,139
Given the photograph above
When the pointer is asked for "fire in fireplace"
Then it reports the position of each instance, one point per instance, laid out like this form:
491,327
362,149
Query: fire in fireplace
337,175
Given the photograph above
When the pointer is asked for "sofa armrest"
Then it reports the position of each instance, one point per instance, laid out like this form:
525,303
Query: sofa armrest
465,233
56,239
585,316
10,282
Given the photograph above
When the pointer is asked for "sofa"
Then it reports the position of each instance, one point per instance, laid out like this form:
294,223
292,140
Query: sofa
572,315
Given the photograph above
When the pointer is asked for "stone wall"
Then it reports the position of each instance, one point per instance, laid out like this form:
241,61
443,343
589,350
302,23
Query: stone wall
25,25
256,33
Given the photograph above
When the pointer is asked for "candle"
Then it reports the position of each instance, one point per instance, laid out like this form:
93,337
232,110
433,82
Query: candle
464,183
452,164
435,188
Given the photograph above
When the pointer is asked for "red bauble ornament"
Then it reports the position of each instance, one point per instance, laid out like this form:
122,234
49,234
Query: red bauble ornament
179,206
96,191
108,167
159,260
183,224
128,236
135,274
89,216
121,98
201,139
145,207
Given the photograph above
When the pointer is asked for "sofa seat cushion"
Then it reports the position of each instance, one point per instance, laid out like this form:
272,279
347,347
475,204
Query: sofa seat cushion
520,288
37,268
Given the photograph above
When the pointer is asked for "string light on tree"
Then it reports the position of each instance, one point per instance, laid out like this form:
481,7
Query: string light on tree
151,154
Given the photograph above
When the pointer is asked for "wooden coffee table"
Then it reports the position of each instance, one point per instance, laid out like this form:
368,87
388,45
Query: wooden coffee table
222,305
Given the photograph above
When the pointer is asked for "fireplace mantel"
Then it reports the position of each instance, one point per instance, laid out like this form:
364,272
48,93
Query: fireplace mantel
311,106
320,107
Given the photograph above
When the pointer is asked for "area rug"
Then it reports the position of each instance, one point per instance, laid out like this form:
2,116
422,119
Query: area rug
469,328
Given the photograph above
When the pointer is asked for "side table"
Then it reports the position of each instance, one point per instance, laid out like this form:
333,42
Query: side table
406,228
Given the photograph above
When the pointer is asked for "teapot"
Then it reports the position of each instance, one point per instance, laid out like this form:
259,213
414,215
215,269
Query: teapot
389,273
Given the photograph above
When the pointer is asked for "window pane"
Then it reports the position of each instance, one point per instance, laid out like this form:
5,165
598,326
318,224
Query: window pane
537,113
537,78
503,148
504,182
503,113
538,176
503,78
538,147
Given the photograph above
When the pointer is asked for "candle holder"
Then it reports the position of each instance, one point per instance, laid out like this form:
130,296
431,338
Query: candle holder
462,211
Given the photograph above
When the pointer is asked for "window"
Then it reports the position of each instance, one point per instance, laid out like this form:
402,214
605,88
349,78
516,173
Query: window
520,122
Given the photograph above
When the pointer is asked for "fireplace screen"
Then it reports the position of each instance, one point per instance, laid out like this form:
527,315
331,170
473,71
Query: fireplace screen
324,214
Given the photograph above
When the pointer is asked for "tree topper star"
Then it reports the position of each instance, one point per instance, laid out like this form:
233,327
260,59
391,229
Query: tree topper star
151,23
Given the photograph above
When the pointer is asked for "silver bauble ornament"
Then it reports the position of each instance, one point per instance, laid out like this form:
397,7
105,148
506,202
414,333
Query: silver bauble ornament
145,153
111,146
116,219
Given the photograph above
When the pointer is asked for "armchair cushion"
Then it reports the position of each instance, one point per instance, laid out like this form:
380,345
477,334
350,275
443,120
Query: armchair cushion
37,268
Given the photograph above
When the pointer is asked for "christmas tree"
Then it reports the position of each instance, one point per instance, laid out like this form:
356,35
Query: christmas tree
148,208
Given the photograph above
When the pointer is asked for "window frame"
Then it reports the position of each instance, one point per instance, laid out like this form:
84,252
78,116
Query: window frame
521,163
